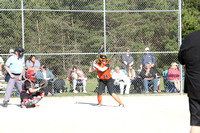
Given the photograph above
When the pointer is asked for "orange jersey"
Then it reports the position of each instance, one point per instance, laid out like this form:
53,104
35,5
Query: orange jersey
103,75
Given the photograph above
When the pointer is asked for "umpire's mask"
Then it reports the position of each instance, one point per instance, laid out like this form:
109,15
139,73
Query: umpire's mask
20,51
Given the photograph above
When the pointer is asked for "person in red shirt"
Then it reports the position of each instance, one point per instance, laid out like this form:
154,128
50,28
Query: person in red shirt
173,75
105,79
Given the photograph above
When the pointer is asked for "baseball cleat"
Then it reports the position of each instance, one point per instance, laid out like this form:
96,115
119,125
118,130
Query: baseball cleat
5,104
99,105
121,105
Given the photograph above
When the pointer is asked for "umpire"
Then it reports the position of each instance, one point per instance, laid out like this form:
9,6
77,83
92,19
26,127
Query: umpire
189,55
15,68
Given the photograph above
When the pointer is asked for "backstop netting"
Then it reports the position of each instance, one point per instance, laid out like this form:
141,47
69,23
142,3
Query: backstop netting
63,33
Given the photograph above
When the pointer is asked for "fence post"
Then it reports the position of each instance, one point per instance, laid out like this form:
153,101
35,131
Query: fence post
180,41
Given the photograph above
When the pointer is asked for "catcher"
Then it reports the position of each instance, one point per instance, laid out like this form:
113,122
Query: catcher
103,72
30,94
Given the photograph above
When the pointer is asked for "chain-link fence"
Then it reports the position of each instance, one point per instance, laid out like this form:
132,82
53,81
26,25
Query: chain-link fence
64,33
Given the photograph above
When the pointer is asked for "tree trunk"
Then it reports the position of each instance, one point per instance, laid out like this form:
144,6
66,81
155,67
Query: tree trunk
39,39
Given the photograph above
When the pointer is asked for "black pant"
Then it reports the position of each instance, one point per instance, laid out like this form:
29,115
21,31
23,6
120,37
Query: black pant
103,84
48,89
194,112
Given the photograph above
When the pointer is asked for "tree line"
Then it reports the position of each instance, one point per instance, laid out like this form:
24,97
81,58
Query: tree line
83,32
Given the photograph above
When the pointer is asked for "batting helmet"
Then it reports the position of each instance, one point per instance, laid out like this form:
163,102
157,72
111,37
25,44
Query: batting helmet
30,74
102,57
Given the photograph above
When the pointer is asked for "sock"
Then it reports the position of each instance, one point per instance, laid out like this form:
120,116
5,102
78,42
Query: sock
117,98
99,97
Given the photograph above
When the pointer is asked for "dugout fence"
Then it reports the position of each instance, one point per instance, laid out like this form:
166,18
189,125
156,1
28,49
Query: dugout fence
63,33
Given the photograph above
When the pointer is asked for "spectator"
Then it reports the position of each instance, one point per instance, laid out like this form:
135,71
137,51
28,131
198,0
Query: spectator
78,77
15,68
173,75
158,78
148,75
1,73
11,52
189,56
32,63
1,66
121,79
45,74
147,57
126,59
131,75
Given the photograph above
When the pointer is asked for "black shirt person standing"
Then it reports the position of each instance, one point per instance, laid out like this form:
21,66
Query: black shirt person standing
189,55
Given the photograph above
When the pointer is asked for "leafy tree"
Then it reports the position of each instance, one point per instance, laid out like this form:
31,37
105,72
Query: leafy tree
190,16
83,32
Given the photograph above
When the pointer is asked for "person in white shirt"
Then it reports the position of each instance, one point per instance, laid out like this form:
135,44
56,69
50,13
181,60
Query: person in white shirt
121,79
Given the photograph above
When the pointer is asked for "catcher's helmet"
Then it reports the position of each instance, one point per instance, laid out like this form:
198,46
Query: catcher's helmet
30,74
102,57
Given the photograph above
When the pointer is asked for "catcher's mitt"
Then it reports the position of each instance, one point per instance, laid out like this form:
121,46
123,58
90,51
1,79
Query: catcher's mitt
43,84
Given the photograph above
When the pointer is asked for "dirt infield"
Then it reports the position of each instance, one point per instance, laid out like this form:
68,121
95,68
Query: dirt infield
142,114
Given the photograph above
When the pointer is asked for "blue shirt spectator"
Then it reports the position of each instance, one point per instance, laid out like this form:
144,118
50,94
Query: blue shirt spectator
146,58
44,73
11,52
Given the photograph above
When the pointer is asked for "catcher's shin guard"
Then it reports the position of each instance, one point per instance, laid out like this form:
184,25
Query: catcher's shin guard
26,103
36,99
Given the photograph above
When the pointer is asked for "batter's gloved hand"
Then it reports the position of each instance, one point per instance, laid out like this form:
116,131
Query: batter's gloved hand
94,63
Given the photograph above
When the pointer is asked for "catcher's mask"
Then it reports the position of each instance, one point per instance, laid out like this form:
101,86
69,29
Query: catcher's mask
30,74
20,51
103,58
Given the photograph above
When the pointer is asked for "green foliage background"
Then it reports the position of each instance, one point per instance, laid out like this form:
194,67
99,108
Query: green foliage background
83,32
190,16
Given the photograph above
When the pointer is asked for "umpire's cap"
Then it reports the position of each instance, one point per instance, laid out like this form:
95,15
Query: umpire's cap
19,49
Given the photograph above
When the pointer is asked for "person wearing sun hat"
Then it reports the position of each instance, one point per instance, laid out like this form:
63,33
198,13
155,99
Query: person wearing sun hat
147,57
173,75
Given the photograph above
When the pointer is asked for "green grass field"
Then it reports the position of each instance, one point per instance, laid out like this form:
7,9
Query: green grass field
91,86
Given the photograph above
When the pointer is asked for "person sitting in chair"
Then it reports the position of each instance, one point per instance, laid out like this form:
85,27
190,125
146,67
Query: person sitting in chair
148,74
45,74
1,66
131,75
32,63
173,75
78,76
121,79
